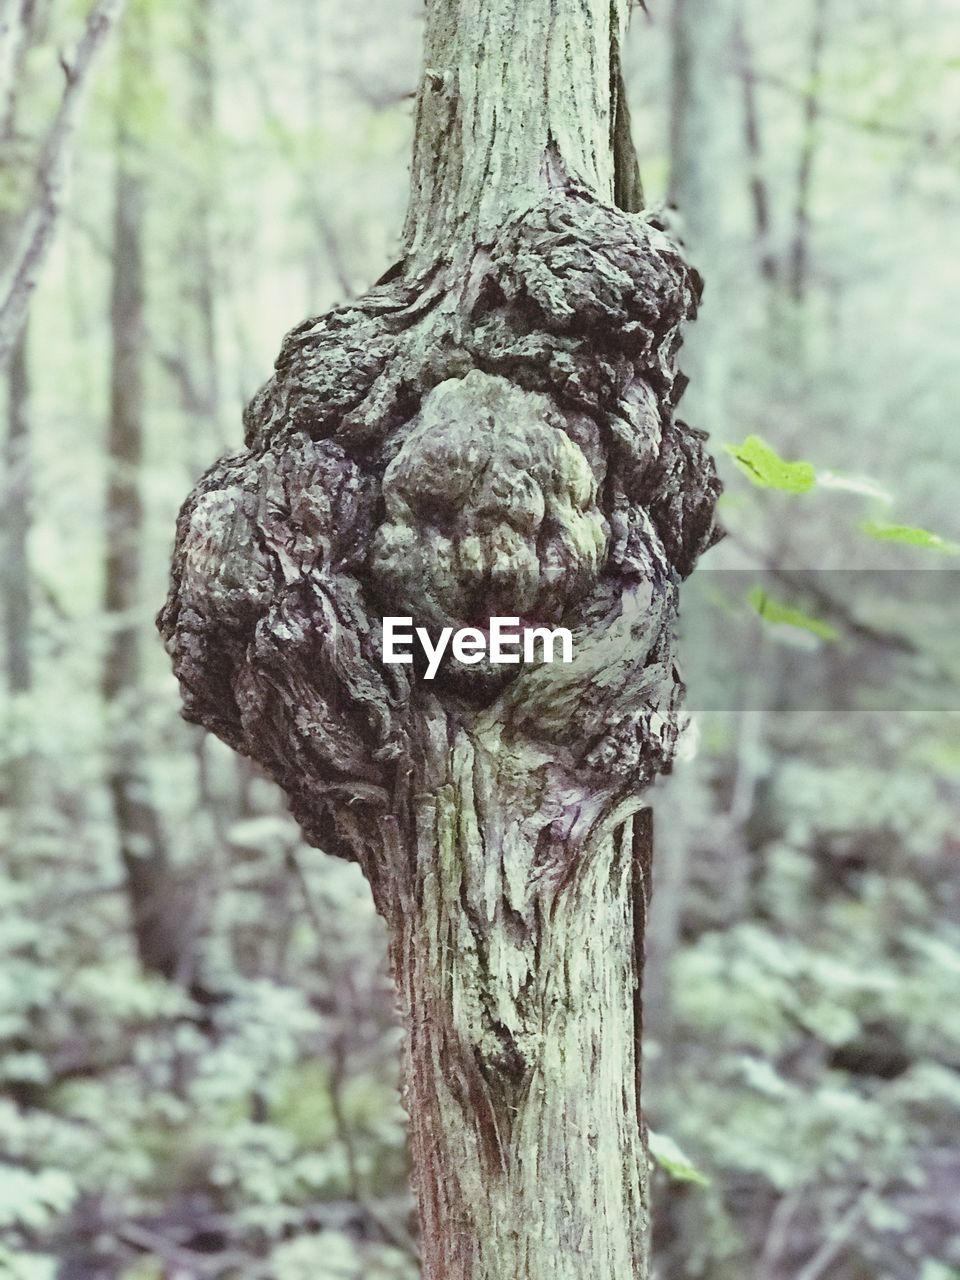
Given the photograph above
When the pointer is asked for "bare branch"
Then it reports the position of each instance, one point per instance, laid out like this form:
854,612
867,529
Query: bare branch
39,221
838,1237
927,134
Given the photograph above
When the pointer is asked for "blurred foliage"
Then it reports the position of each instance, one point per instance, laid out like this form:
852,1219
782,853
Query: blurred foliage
804,1037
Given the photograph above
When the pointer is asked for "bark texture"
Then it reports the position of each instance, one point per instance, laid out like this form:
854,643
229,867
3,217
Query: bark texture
489,431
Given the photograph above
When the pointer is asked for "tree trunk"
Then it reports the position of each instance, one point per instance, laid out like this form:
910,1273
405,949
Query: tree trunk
759,191
21,766
17,602
16,36
15,24
200,383
701,132
521,1060
488,432
800,248
160,923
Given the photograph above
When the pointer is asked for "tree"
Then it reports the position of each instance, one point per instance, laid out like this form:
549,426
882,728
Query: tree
39,218
701,125
17,595
15,39
489,431
160,922
799,250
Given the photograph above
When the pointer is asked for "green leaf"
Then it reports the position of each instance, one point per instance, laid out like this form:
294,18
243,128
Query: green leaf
767,469
909,535
774,612
673,1161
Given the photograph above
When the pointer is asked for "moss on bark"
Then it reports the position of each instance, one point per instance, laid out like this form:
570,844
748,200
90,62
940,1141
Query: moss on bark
489,431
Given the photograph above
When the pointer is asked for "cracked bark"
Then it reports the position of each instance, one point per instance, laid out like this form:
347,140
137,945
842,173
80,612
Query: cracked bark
489,430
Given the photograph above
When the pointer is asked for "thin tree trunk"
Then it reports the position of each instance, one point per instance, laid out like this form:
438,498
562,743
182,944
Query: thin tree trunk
671,878
759,193
17,597
199,260
157,909
17,601
13,41
16,34
701,127
487,432
800,248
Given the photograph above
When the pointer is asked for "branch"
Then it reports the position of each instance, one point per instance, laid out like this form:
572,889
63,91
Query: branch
926,134
189,1261
285,137
40,219
780,1221
804,581
378,99
842,1231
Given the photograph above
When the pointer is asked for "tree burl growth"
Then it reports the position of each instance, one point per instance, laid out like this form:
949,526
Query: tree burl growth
517,455
490,431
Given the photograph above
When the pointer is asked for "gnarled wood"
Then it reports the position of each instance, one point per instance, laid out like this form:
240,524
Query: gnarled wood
489,431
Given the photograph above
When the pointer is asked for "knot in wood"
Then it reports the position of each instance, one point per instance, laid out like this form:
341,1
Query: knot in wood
491,511
494,438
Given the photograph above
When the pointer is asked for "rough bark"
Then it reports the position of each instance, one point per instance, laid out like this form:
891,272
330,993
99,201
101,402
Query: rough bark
489,431
160,922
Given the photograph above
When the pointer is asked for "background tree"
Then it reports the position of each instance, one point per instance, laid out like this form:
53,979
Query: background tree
161,910
18,24
38,220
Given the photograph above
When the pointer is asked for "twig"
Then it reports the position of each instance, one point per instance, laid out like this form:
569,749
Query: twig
775,1240
803,581
193,1263
886,128
838,1237
287,140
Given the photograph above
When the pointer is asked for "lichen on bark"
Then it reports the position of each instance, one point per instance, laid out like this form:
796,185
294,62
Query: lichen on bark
490,430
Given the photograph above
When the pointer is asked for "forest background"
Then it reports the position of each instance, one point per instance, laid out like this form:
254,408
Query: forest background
198,1049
